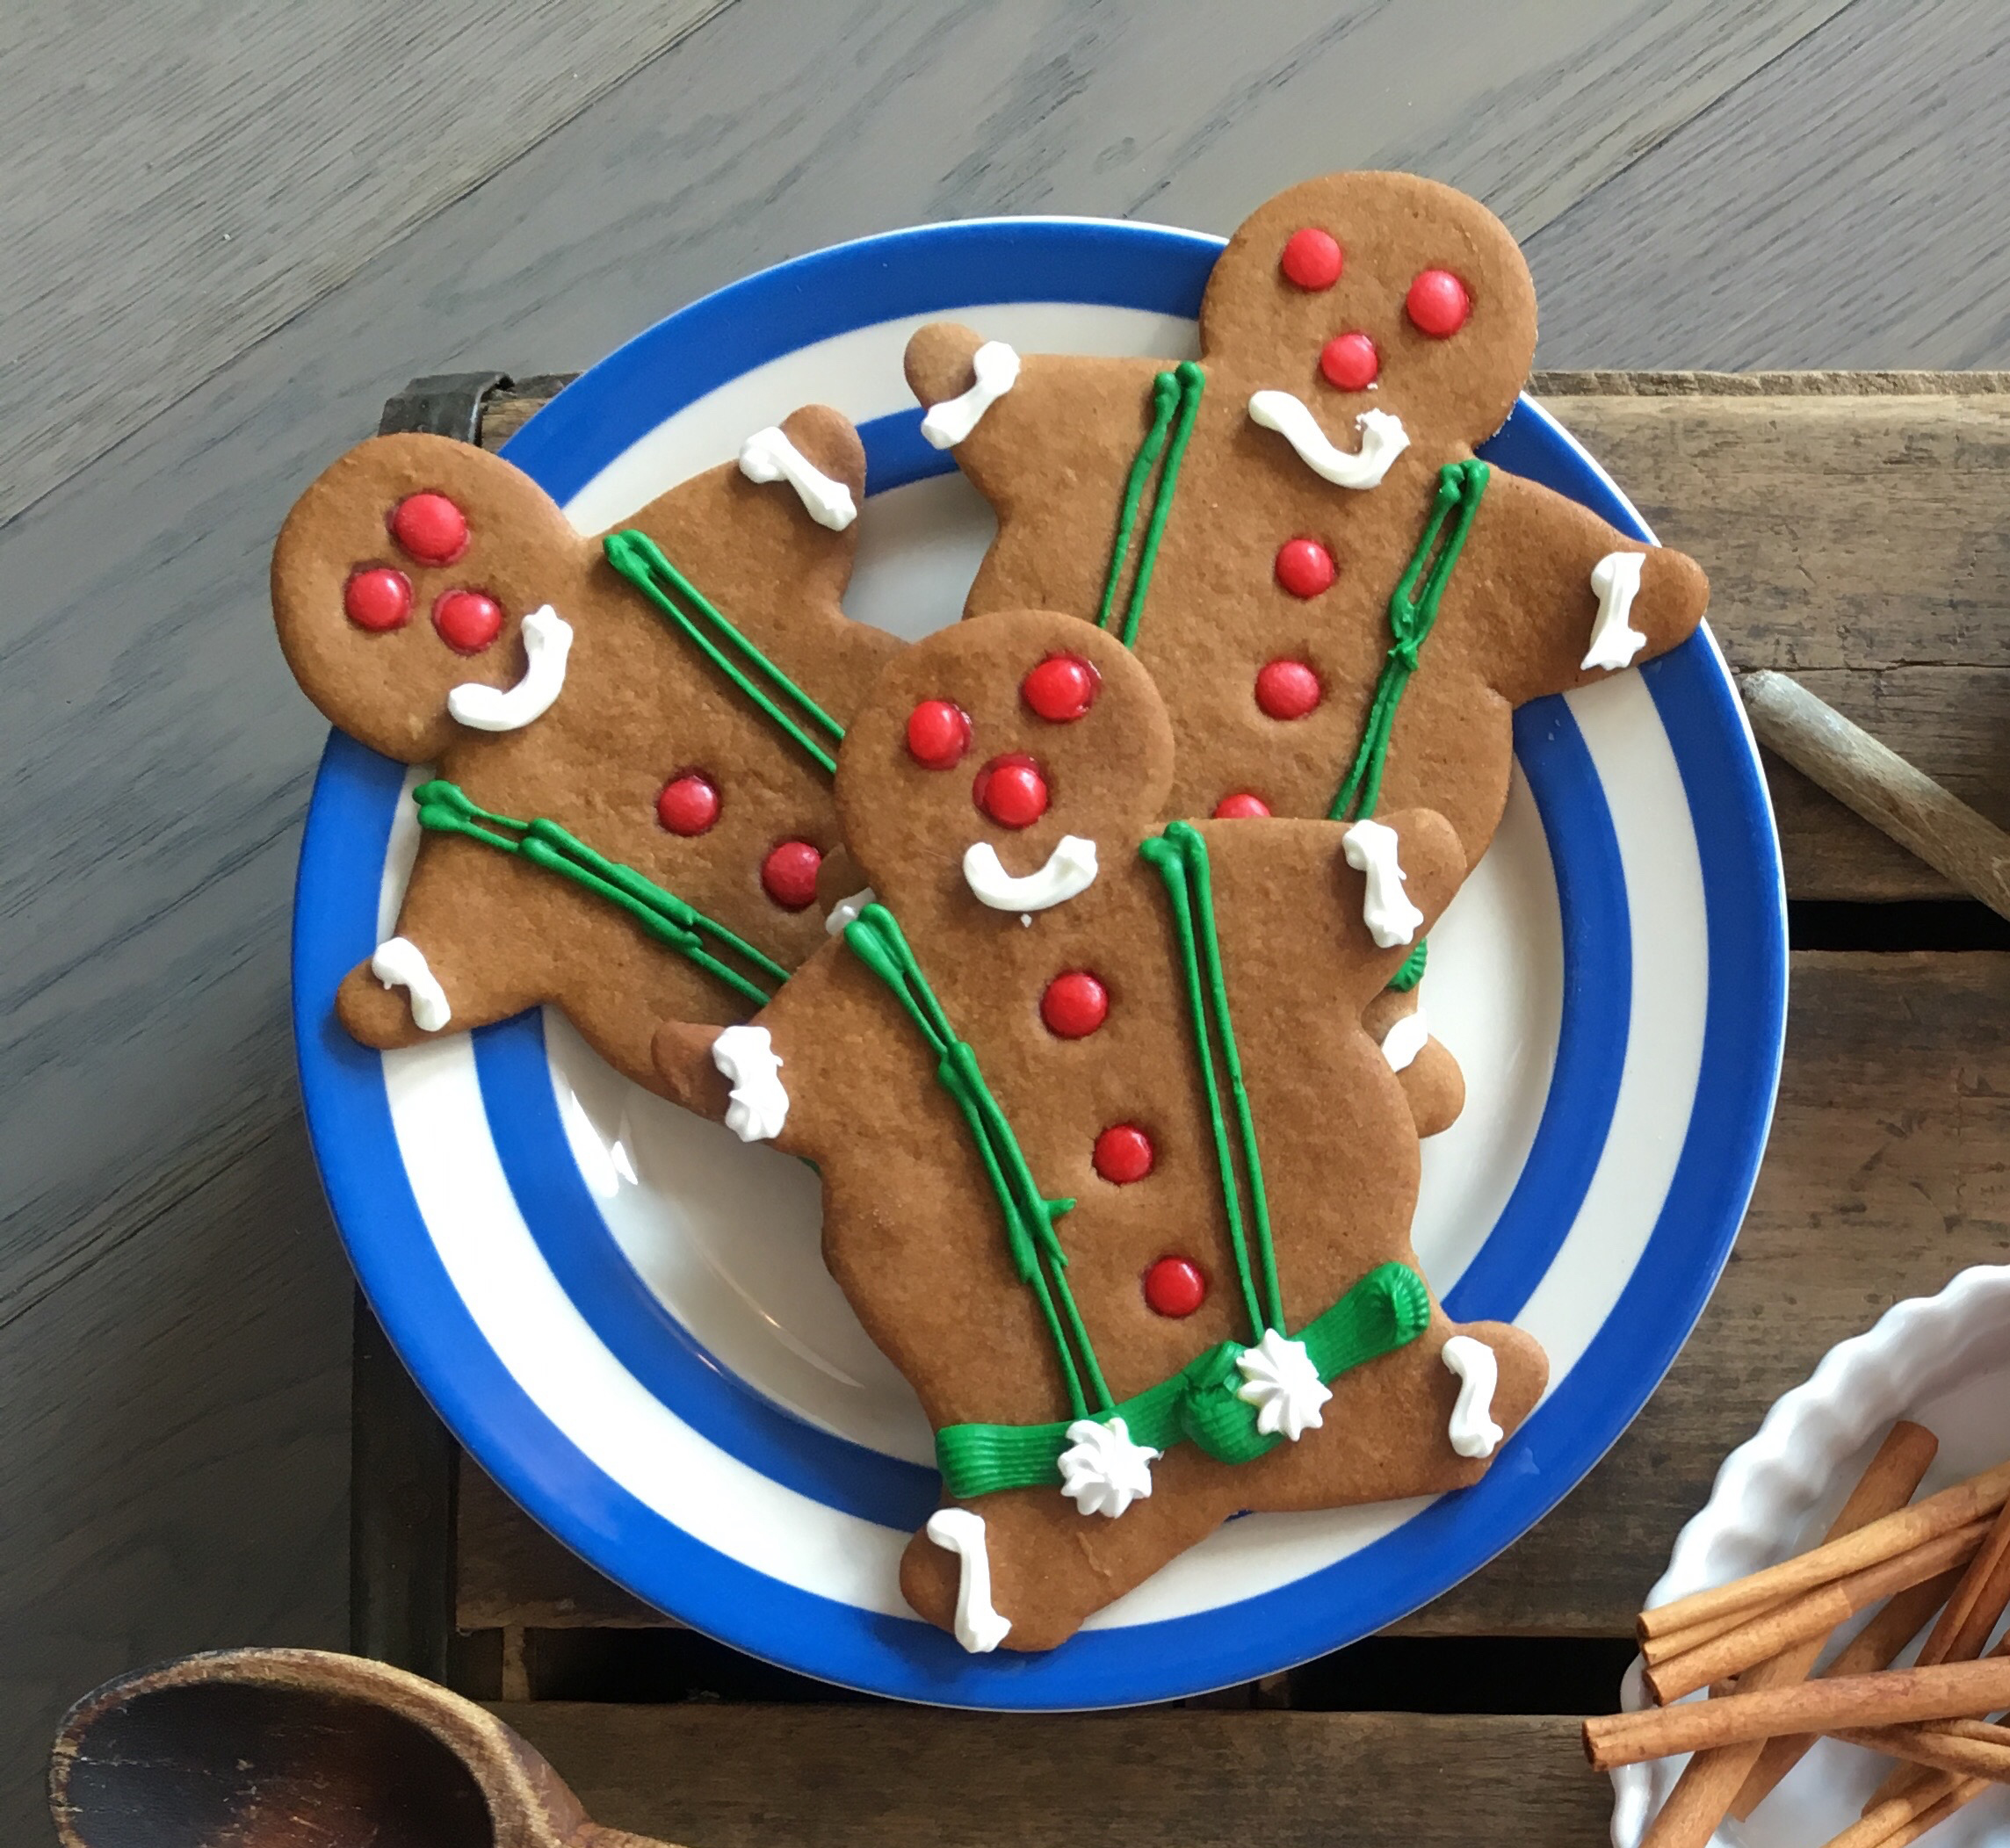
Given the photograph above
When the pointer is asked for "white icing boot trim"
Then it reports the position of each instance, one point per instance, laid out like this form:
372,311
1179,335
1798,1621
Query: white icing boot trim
758,1106
978,1628
1385,907
1280,1381
846,911
1383,438
1614,642
1472,1431
400,963
769,456
547,640
1403,1042
1069,872
948,422
1103,1472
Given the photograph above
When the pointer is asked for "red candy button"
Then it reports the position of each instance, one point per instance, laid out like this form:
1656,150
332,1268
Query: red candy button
1349,362
1310,258
1123,1153
467,620
689,804
1011,791
378,598
1175,1287
1287,690
1241,807
1306,567
938,734
430,528
1074,1005
789,873
1062,689
1437,304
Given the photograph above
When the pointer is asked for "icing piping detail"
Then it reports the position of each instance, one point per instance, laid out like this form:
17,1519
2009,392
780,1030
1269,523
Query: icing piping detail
1472,1431
997,369
759,1105
400,963
1383,438
846,911
1175,403
1103,1472
1614,641
1069,870
767,455
1280,1381
547,641
1385,907
1403,1042
978,1626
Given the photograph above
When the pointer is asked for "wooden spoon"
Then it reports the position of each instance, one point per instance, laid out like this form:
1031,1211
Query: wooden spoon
301,1749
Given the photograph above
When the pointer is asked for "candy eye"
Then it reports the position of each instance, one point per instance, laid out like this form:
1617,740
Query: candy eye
1062,688
938,734
378,598
1437,304
1011,791
467,620
689,804
430,528
1312,259
1349,362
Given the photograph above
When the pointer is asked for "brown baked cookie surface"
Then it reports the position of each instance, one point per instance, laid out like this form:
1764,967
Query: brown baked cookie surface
1018,1075
438,607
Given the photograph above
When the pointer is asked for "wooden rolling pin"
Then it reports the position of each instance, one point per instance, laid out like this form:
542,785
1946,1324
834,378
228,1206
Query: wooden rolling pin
1881,786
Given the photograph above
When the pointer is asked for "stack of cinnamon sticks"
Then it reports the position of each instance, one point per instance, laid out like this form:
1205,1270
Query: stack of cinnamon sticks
1753,1644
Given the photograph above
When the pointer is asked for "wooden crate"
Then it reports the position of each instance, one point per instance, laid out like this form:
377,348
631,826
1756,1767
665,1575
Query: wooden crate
1856,528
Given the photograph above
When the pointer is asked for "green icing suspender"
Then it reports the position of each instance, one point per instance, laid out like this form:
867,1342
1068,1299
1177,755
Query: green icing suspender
1176,402
444,808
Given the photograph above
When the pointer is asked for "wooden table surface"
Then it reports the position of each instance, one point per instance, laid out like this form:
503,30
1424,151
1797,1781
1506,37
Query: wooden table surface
234,229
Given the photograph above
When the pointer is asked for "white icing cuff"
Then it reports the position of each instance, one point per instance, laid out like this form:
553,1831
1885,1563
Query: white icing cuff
1385,907
978,1628
1383,438
401,964
1280,1381
1103,1472
948,422
1403,1042
1472,1431
1614,642
846,911
547,640
758,1106
769,456
1070,870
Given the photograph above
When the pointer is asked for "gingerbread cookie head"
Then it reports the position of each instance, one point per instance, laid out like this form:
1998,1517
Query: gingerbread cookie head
995,757
1376,291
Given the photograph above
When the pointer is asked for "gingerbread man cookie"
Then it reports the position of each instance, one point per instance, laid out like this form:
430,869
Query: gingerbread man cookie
1340,606
632,740
1112,1170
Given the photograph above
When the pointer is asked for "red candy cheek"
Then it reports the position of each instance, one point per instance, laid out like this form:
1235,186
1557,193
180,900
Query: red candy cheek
1011,791
1287,690
1062,689
1074,1005
1306,567
430,528
468,621
1349,362
789,875
1175,1287
1124,1154
1310,258
378,598
1437,304
938,734
689,804
1241,807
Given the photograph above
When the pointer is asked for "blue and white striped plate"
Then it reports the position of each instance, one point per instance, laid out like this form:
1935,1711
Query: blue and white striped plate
621,1312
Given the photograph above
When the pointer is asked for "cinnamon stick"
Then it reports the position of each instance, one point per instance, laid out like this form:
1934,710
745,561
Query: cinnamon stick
1813,1615
1904,1819
1923,1520
1968,1595
1654,1650
1969,1757
1951,1690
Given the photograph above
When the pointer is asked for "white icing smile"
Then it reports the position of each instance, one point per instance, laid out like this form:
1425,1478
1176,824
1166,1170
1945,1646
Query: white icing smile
769,456
1383,438
1280,1381
1614,640
1070,870
948,422
1472,1431
758,1106
1103,1471
1385,907
400,963
547,641
1403,1042
978,1628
